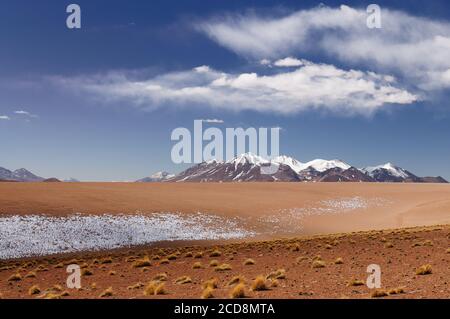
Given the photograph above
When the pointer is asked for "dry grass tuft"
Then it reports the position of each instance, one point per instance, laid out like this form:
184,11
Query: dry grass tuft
172,257
249,262
212,283
183,280
31,274
15,277
396,291
389,245
189,254
136,286
424,270
213,263
339,261
198,254
215,253
278,274
236,280
160,277
34,290
238,291
164,261
318,264
112,273
208,293
107,293
144,262
379,293
60,265
259,284
223,267
155,288
197,265
355,282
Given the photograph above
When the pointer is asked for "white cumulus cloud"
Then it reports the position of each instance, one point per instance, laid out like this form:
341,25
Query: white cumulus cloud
310,86
415,48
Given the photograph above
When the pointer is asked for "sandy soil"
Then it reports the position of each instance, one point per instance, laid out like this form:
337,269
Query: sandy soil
400,205
293,211
398,252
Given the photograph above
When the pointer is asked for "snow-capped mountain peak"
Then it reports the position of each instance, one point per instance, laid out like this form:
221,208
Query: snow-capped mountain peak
391,168
248,158
296,165
321,165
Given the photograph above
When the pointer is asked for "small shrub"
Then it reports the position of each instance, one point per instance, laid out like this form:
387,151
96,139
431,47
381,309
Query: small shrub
259,284
378,293
215,253
207,293
145,262
198,254
236,280
15,277
183,280
107,293
160,277
212,283
355,282
34,290
424,270
223,267
197,265
318,264
238,291
155,288
249,262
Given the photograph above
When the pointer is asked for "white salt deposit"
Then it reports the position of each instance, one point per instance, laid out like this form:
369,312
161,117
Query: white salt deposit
289,220
37,235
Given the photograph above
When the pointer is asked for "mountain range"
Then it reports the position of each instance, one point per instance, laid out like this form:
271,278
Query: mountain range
249,168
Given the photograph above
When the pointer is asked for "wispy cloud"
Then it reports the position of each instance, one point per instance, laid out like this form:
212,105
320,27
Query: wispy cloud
26,113
414,47
212,121
286,91
4,117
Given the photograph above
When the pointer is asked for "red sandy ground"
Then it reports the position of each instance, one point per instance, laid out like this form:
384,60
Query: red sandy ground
398,252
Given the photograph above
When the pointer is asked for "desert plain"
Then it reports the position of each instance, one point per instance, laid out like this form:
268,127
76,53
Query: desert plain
223,240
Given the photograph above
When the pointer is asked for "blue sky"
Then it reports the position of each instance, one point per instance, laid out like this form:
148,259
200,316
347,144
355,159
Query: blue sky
88,116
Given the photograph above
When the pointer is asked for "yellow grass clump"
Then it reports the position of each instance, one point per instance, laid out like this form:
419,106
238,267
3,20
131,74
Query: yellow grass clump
238,291
259,284
155,288
31,274
15,277
396,291
107,293
207,293
197,265
424,270
318,264
236,280
215,253
355,282
183,280
34,290
378,293
249,262
212,283
213,263
223,267
144,262
160,277
198,254
278,274
339,261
